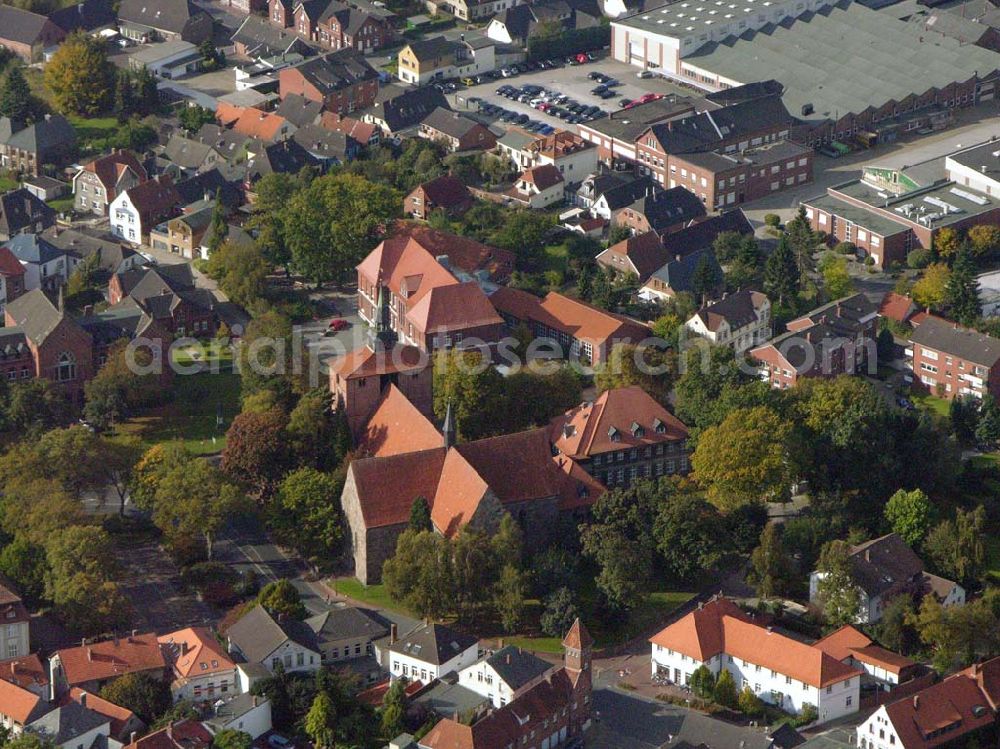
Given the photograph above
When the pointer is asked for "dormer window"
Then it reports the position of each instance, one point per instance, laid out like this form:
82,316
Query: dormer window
637,431
659,427
614,435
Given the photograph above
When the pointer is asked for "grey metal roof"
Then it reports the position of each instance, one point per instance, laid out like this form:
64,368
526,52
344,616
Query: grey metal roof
433,643
517,667
970,345
845,58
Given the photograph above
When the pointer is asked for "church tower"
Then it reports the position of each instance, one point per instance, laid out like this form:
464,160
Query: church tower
578,645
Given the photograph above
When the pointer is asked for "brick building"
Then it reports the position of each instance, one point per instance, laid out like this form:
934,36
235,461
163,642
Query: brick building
333,25
25,150
98,182
343,81
660,211
456,132
446,193
167,294
615,135
622,436
837,338
951,361
27,34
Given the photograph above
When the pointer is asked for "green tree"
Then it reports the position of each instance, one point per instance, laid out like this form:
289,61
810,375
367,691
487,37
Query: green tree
319,437
419,574
836,278
749,703
241,270
559,613
334,222
984,239
308,512
393,709
962,290
524,233
687,533
988,428
193,116
894,630
745,459
281,597
26,563
702,682
230,738
781,275
886,346
510,597
930,290
725,689
956,546
770,563
653,369
256,451
420,515
147,697
745,267
909,514
706,278
123,103
837,591
80,77
947,242
473,389
274,191
79,548
16,99
218,230
320,722
90,604
28,740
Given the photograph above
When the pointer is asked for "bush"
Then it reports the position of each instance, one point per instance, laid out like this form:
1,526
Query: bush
869,261
918,258
845,248
809,714
749,703
703,682
772,219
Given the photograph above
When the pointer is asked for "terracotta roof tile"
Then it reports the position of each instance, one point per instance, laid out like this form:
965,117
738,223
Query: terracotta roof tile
109,168
403,262
464,254
897,307
459,492
644,251
454,307
185,734
17,702
397,426
366,362
387,486
537,475
110,658
26,671
119,716
950,703
227,113
543,177
841,642
578,637
447,191
195,651
253,123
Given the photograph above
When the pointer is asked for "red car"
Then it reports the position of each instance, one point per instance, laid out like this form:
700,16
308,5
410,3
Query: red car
338,324
582,58
647,98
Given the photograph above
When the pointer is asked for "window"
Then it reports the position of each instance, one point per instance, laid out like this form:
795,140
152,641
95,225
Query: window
850,700
66,369
300,659
12,650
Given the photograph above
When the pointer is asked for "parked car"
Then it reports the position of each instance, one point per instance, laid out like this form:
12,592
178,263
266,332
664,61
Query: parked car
468,81
607,95
830,151
338,324
582,58
595,75
278,741
644,74
625,103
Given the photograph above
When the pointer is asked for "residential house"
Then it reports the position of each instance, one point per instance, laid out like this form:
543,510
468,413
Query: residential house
885,568
28,673
950,361
248,713
164,20
361,379
268,127
329,147
260,39
639,255
299,110
701,235
897,307
836,338
72,725
92,666
123,722
284,157
622,436
12,275
273,641
168,294
343,81
100,181
855,648
456,132
201,670
554,711
572,155
958,710
405,290
398,111
783,672
446,193
661,211
182,734
28,34
469,10
191,156
517,24
538,187
44,265
136,211
19,707
183,234
465,484
440,58
14,619
577,329
334,25
741,320
612,195
89,15
428,652
27,149
504,675
347,633
365,133
105,256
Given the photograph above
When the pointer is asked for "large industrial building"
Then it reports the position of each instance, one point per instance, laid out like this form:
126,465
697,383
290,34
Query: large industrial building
845,69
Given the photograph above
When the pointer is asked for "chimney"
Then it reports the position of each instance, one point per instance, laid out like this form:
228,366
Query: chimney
13,668
184,648
868,555
131,737
393,633
916,702
170,731
508,659
83,699
90,654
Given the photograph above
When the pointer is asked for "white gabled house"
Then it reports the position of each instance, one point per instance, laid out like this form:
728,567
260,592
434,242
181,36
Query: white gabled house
428,652
783,672
274,641
740,320
505,675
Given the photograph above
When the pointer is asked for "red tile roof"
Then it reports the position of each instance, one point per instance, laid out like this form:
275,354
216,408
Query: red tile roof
543,177
362,132
387,486
109,168
455,307
897,307
26,671
227,113
155,197
721,627
397,426
645,251
460,490
447,191
256,124
17,702
184,734
9,264
537,475
110,658
195,651
941,713
585,430
848,642
366,362
578,637
463,253
119,716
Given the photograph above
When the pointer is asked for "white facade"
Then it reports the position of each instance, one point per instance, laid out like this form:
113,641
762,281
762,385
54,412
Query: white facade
483,679
293,657
413,668
739,339
14,639
831,702
256,721
477,59
201,687
975,179
878,732
125,221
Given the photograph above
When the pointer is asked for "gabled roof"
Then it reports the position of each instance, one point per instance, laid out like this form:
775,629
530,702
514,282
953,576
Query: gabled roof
194,651
67,722
26,672
464,255
33,249
336,70
347,623
262,39
286,157
265,126
354,128
433,643
21,25
405,108
86,15
433,48
258,634
165,15
19,210
450,123
367,362
156,197
35,314
52,132
619,194
299,110
183,734
619,419
446,191
719,626
387,486
110,658
117,715
187,153
397,426
883,563
701,235
543,177
964,343
665,208
20,704
517,667
323,143
109,167
941,713
678,274
898,307
737,310
460,491
645,253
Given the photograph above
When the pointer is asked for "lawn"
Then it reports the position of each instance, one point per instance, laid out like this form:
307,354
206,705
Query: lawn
650,614
8,183
203,351
934,405
374,595
61,205
191,415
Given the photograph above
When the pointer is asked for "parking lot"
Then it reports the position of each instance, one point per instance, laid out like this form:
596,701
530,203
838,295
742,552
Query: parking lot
572,81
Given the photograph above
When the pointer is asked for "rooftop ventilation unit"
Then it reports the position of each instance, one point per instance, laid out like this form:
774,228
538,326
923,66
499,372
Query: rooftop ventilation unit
972,197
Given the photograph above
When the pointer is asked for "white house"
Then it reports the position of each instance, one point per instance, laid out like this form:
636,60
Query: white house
74,725
574,157
741,320
504,675
272,641
942,714
137,210
244,712
538,187
201,669
19,707
855,648
883,568
45,265
781,671
428,652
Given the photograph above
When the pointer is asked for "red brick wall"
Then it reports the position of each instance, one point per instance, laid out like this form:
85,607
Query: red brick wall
278,15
